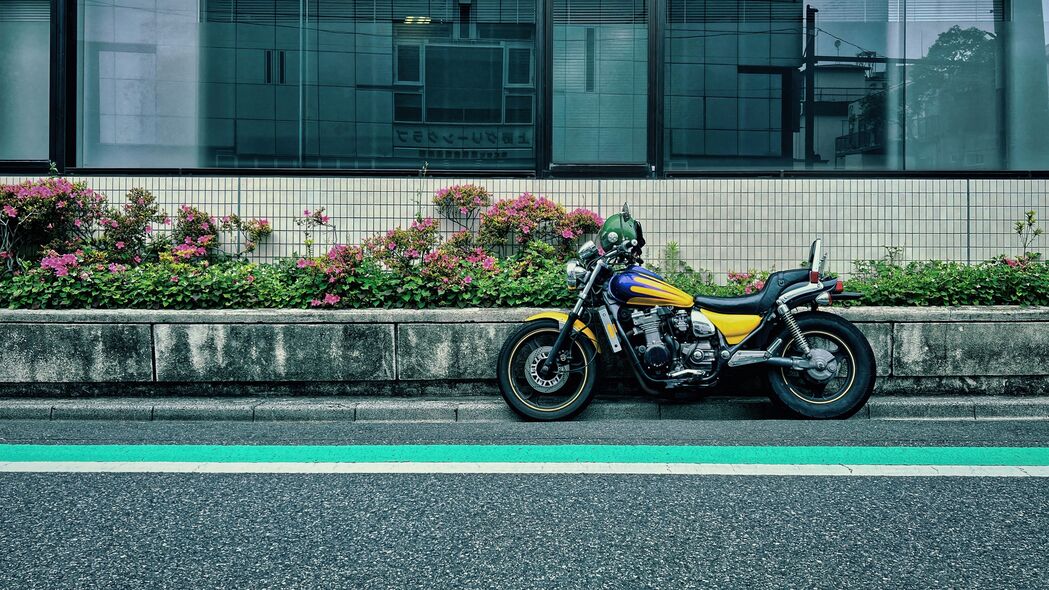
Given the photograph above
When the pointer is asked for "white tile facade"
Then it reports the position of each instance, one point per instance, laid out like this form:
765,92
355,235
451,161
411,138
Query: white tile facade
720,225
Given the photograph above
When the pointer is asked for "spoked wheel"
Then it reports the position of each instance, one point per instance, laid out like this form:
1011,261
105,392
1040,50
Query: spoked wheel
562,395
843,379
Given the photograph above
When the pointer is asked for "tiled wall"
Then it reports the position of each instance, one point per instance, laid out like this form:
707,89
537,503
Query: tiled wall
720,224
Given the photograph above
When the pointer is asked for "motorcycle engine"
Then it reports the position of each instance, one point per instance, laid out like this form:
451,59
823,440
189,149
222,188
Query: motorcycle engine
674,343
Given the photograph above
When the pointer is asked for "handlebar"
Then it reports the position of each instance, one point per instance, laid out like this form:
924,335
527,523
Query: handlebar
626,248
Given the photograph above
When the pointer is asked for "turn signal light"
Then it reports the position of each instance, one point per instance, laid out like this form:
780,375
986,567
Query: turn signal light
839,286
814,276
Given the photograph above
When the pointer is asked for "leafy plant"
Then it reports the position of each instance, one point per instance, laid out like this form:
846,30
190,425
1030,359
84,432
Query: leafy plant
1028,230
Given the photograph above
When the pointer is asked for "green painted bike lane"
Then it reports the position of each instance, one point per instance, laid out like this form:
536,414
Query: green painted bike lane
756,455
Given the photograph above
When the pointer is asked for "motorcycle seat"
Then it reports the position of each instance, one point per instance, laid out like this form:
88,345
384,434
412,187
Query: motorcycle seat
755,303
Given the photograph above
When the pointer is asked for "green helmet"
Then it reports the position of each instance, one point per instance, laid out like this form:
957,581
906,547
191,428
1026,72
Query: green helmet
619,228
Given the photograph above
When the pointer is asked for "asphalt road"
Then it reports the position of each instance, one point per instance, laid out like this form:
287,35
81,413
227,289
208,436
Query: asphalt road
129,530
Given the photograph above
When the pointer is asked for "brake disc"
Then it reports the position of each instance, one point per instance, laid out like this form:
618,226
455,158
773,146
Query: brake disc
532,364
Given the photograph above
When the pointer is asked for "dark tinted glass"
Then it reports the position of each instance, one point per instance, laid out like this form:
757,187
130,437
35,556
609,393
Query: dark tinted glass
920,85
25,53
305,83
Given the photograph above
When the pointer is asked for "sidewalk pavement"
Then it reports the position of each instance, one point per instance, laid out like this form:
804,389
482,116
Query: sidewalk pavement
485,409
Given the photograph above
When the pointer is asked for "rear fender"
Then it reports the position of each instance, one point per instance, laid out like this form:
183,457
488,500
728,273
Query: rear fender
561,318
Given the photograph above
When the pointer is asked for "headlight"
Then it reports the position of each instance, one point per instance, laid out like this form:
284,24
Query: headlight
574,274
588,250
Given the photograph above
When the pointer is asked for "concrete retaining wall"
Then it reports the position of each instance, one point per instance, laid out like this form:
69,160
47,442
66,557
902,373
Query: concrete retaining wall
994,351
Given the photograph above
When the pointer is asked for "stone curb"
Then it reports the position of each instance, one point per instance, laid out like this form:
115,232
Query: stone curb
421,410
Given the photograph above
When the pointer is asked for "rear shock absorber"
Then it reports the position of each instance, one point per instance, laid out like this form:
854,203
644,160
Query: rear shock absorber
792,324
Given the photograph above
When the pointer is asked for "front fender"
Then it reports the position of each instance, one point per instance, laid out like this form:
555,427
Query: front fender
561,318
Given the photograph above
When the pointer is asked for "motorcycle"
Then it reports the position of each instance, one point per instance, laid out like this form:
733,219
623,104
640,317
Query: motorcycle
818,365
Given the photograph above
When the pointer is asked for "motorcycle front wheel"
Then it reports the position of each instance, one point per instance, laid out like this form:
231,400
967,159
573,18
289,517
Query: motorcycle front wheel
839,390
561,396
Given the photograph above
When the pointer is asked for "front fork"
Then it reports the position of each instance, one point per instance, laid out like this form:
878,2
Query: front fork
549,366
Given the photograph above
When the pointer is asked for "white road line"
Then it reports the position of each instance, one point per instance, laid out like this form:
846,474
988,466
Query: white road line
532,468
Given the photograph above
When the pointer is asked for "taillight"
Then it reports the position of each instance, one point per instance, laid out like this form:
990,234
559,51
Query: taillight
839,286
814,276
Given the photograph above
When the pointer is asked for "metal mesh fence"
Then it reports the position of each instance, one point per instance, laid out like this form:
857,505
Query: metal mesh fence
719,225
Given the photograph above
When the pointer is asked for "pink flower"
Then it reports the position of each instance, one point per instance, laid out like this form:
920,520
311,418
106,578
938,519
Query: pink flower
190,217
167,221
149,229
250,278
316,303
391,246
306,213
759,285
225,219
174,279
117,268
331,299
303,263
10,211
467,280
137,259
1011,262
324,219
120,245
567,234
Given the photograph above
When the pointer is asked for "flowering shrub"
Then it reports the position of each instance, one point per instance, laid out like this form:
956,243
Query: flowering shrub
252,231
60,264
462,200
47,213
195,235
529,217
310,221
579,222
749,282
128,232
399,249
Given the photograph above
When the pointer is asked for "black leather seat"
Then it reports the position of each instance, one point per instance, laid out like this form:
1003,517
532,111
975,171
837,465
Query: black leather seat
755,303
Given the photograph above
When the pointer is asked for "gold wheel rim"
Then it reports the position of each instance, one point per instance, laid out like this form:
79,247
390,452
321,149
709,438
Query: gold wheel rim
513,387
852,376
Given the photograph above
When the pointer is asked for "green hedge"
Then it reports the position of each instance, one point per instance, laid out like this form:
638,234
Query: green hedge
512,283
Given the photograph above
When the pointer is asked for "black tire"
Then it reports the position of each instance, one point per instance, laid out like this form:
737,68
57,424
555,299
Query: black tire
853,375
572,396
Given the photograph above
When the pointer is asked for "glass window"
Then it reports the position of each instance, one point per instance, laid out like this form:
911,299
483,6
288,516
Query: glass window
919,85
307,83
600,82
25,57
727,67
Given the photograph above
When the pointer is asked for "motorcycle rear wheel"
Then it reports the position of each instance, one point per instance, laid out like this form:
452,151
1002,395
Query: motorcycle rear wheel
532,397
847,384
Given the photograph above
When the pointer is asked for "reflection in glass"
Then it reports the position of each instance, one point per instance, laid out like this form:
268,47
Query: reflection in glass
600,82
308,83
25,53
